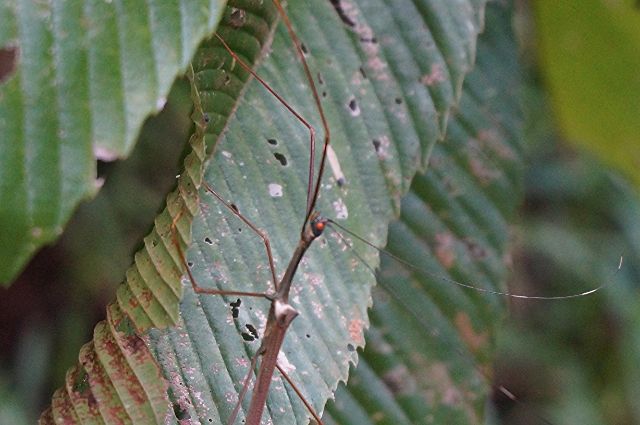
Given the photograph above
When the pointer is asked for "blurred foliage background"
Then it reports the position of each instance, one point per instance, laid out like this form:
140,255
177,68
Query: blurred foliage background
575,361
571,361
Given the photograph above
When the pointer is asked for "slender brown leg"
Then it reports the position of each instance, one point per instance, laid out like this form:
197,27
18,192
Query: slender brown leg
197,288
311,200
256,229
297,390
312,131
245,388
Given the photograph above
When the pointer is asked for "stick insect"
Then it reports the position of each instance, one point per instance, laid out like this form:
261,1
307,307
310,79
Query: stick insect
276,330
281,313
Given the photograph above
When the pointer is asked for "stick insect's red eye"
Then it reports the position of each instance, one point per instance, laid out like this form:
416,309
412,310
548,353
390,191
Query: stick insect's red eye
317,226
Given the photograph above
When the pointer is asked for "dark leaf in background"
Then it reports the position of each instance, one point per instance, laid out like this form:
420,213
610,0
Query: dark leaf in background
429,351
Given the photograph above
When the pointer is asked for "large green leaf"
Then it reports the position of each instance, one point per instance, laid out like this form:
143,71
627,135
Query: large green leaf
430,348
85,77
389,76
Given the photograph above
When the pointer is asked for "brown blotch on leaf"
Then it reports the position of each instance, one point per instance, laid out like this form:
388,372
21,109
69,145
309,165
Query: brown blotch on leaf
482,172
472,339
435,76
8,62
399,380
477,251
444,249
492,140
133,343
355,331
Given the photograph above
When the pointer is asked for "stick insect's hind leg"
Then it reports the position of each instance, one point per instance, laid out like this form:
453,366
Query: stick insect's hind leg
254,228
295,388
245,388
312,195
312,132
196,287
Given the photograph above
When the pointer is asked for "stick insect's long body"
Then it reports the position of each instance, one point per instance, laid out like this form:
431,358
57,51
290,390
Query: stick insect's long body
281,314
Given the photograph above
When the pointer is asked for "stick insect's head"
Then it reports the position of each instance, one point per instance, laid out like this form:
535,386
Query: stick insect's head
317,224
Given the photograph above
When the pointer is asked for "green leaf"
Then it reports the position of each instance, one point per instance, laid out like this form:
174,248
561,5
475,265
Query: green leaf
403,94
387,102
86,76
590,52
429,351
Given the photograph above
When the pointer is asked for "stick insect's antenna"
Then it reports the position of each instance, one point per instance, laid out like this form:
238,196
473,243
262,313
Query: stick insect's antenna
473,287
393,293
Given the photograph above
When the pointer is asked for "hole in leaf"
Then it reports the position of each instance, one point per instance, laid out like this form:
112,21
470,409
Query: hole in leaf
235,308
353,106
180,412
247,337
281,158
252,330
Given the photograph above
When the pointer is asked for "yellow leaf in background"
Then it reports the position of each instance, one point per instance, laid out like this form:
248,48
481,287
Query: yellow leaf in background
590,54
